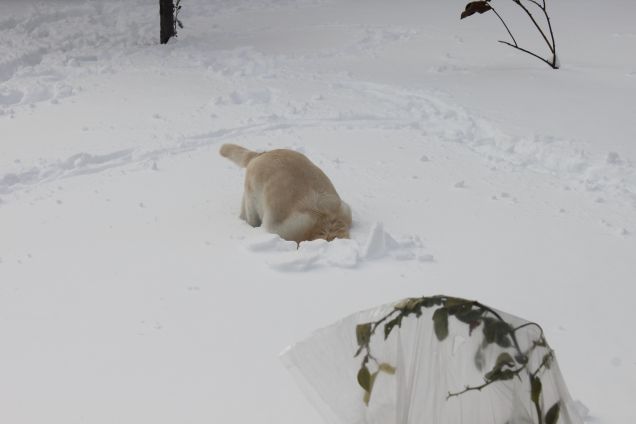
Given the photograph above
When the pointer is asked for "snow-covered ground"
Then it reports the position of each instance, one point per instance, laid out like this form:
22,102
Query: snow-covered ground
130,292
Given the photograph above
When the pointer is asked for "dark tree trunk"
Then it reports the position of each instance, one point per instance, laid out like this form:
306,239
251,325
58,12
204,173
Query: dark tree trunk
166,13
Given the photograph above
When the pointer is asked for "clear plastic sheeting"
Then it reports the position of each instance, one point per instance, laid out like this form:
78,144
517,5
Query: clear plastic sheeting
441,360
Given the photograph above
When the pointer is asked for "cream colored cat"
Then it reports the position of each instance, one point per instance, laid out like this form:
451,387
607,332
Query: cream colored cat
289,195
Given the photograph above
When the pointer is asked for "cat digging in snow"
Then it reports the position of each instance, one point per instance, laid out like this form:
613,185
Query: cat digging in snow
289,195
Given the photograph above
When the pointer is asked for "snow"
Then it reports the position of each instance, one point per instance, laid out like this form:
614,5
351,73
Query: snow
340,253
131,292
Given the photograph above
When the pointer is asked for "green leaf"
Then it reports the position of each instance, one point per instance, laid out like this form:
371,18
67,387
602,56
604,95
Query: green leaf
472,326
535,385
553,414
440,322
366,398
489,330
475,7
387,368
503,341
363,333
456,301
469,316
367,394
504,359
429,302
497,331
364,378
492,375
388,327
498,373
506,375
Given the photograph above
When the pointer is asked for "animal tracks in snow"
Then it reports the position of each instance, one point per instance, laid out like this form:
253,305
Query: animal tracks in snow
384,108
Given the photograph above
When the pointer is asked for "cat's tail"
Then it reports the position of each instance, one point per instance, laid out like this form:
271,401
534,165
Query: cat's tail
237,154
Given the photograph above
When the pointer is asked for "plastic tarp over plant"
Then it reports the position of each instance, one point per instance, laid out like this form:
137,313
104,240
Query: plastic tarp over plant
435,360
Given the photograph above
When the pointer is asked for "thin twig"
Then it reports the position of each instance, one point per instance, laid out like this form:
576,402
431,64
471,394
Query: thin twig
483,386
536,2
535,24
529,324
504,24
377,323
530,53
547,18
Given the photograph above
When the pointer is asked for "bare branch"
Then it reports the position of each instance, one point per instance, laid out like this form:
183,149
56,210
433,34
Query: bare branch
535,24
553,66
537,3
504,24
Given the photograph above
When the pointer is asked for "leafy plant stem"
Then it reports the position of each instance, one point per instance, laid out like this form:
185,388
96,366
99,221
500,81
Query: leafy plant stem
496,330
374,327
483,386
515,372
